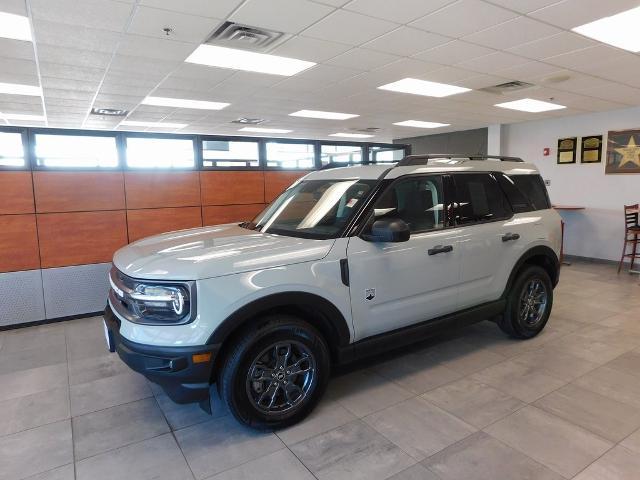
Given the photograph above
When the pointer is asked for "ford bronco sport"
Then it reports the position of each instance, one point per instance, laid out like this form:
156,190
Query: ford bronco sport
343,264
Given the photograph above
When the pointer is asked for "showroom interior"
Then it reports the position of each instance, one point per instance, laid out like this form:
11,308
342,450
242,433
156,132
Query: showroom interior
122,120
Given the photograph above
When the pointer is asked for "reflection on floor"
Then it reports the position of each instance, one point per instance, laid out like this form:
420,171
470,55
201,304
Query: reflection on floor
474,405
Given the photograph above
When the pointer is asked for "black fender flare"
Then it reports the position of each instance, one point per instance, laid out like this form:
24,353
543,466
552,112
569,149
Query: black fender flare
322,314
538,251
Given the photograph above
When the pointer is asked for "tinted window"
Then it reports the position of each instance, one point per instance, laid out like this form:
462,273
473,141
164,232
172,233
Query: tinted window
347,154
533,188
147,152
290,155
11,150
229,153
76,151
519,202
385,154
417,201
479,199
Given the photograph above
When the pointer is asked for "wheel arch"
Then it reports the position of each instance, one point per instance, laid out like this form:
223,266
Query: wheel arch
541,256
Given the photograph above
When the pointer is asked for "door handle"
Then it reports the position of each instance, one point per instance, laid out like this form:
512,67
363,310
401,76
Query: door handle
440,249
507,237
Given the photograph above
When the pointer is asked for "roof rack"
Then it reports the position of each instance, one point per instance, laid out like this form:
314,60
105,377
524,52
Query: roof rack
412,160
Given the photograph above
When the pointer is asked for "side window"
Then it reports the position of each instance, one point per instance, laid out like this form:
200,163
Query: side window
532,186
418,201
479,199
519,202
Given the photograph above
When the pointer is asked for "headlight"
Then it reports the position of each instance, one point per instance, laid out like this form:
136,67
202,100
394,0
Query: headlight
147,302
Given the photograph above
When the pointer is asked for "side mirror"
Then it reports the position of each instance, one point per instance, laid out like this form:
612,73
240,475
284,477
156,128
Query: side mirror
388,230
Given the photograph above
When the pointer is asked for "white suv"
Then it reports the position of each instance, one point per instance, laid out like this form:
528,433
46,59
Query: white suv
343,264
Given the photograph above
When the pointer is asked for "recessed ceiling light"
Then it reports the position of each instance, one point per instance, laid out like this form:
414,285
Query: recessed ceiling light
423,87
15,27
135,123
530,105
351,135
184,103
21,116
264,130
619,30
249,61
421,124
323,115
18,89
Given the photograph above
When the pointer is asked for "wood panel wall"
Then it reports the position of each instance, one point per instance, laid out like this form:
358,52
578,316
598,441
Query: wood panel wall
56,219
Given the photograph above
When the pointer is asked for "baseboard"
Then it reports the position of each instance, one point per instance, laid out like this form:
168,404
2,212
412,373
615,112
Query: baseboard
601,261
49,320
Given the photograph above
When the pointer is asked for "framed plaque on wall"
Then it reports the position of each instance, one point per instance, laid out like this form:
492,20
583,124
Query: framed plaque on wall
591,149
567,150
623,152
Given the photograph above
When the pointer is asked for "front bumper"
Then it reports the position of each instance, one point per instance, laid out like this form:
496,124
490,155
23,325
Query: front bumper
173,368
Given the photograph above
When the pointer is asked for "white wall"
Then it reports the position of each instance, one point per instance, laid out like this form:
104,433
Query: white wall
596,232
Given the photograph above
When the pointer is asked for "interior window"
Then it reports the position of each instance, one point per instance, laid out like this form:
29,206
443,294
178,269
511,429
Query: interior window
149,152
75,151
379,154
11,150
347,154
479,199
230,153
418,201
532,186
290,155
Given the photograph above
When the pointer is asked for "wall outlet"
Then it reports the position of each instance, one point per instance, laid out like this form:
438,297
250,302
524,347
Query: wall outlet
547,182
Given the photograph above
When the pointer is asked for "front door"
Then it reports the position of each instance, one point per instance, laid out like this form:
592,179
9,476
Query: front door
393,285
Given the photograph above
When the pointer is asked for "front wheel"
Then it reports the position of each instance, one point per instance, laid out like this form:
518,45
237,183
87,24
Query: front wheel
529,303
276,373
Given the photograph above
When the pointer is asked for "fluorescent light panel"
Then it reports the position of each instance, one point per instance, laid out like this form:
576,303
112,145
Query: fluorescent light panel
19,89
249,61
135,123
264,130
421,124
423,87
21,116
184,103
530,105
350,135
323,115
620,30
15,27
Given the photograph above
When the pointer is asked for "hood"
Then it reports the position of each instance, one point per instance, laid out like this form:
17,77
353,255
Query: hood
212,252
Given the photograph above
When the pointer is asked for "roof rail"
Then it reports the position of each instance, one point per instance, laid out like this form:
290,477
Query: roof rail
412,160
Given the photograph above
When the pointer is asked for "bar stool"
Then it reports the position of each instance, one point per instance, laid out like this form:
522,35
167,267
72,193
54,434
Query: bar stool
631,233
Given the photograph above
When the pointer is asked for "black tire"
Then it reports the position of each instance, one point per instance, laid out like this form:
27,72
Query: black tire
243,395
516,321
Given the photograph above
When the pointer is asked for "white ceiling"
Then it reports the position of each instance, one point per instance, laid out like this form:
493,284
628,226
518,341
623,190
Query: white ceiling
113,53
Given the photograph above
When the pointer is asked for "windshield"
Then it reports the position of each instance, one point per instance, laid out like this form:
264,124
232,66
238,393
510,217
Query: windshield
313,208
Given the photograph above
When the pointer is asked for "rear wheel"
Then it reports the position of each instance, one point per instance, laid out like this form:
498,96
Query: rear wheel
275,374
528,303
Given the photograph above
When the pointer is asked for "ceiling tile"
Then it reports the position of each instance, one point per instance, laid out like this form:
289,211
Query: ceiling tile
61,35
291,16
573,13
339,27
192,70
334,3
85,74
310,49
401,11
103,14
493,62
68,93
10,48
529,71
619,93
587,56
512,33
202,8
464,17
363,59
453,52
7,76
19,67
68,84
524,6
554,45
152,48
185,28
73,56
482,81
126,64
17,7
406,41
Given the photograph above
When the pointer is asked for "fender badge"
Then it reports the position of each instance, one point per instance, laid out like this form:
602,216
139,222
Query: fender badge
370,294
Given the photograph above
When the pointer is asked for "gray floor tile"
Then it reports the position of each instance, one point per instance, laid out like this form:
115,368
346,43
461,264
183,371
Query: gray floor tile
223,443
94,368
35,451
614,384
628,362
366,392
462,356
33,338
554,360
326,416
116,427
624,321
32,358
353,451
81,348
474,402
280,465
617,464
416,373
184,415
524,382
107,392
590,349
559,445
632,442
22,413
419,427
482,457
66,472
599,414
158,458
416,472
34,380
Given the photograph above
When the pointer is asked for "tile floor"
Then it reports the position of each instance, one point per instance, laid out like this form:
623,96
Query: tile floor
472,405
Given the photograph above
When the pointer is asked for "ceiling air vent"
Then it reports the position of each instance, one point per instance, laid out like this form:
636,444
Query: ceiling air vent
248,121
109,112
508,87
237,35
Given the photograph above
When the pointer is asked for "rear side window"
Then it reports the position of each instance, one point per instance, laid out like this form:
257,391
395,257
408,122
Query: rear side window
532,186
478,198
519,202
